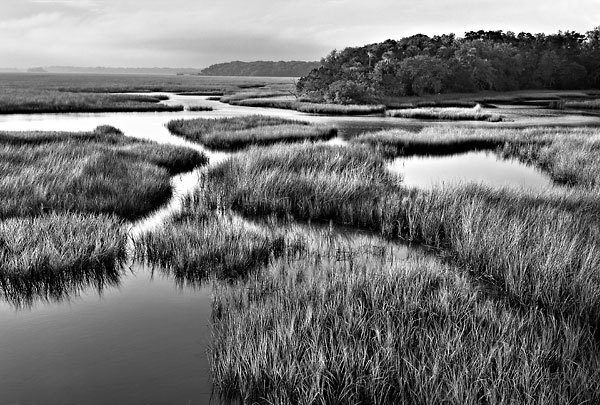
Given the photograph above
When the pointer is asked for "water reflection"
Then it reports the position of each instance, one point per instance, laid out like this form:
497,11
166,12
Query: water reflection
474,167
46,287
145,339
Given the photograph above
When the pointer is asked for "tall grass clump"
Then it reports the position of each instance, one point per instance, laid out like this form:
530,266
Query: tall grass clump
250,95
286,104
572,160
398,142
371,329
339,109
308,181
200,108
99,172
53,255
576,104
452,114
540,254
200,245
240,132
31,101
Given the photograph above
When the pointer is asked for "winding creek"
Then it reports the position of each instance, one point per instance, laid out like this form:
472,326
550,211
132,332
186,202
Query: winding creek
143,338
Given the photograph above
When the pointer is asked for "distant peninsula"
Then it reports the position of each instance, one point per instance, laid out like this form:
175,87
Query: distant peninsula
261,68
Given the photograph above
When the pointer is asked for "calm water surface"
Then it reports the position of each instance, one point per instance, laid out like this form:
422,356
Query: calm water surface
144,340
474,167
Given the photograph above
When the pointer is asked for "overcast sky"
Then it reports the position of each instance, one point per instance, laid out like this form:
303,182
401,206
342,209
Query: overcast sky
197,33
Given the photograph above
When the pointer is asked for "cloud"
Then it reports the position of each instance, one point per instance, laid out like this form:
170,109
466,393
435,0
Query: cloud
192,33
70,3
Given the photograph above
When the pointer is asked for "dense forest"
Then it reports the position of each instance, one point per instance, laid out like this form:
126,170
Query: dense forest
482,60
261,68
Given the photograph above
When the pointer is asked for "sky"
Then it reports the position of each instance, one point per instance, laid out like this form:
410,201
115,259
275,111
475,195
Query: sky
198,33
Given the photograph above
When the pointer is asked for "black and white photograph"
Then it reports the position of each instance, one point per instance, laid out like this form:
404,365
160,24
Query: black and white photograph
313,202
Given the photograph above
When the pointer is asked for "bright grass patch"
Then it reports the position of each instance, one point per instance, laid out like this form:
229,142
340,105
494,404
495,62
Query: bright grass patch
368,328
55,255
240,132
451,114
98,172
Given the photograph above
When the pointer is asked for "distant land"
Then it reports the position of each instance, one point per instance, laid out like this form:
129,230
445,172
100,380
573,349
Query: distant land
115,70
235,68
261,68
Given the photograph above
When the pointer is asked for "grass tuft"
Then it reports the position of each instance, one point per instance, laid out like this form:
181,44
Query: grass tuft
240,132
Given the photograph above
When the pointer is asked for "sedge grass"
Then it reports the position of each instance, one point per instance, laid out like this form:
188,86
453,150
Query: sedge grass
240,132
201,246
339,109
365,327
199,108
37,102
576,104
569,155
55,255
98,172
539,254
451,114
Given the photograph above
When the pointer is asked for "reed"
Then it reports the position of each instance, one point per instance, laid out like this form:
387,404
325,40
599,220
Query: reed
286,104
199,108
240,132
204,245
485,235
251,95
339,109
37,102
98,172
450,114
55,255
344,325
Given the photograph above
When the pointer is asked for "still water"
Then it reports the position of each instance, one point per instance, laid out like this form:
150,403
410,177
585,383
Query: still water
152,125
484,168
143,338
143,341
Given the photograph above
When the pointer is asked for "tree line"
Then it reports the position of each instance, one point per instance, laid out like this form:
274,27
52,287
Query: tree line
482,60
261,68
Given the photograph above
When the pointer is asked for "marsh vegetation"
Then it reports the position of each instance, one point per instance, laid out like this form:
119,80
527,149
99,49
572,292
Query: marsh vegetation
333,282
350,322
64,200
240,132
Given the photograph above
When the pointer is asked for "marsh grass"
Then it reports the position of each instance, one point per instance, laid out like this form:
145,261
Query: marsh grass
267,135
537,254
53,256
199,108
398,142
438,104
576,104
203,243
307,107
240,132
251,95
217,94
63,199
574,161
368,328
339,109
508,313
286,104
451,114
98,172
308,181
25,101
